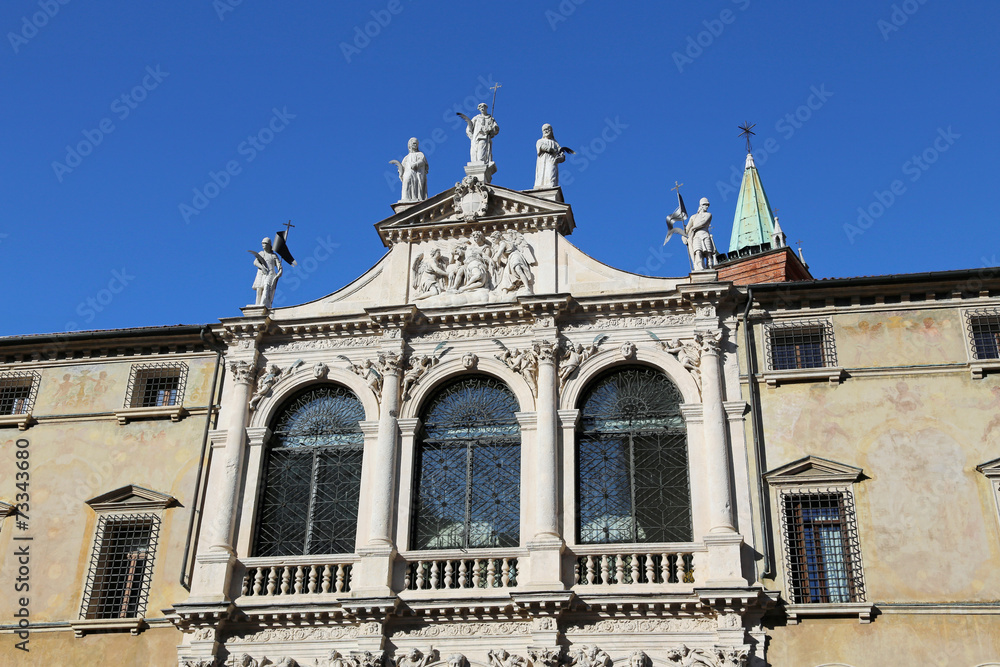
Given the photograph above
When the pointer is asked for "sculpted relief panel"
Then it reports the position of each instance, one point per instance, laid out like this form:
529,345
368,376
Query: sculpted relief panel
477,270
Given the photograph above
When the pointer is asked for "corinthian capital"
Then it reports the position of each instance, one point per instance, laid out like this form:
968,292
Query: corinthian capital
243,371
709,340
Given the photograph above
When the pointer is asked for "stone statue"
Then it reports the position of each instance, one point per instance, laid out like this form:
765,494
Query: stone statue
415,658
481,131
268,271
502,658
413,173
429,274
457,660
574,355
701,246
550,155
512,258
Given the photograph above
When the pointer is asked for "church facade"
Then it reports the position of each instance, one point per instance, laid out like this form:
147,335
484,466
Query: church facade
492,450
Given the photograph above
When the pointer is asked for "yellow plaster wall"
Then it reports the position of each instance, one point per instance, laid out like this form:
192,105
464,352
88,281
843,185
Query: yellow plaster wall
153,648
900,338
892,639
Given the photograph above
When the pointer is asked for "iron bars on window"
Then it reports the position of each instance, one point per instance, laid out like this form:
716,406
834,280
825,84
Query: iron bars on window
18,390
156,385
800,344
121,566
984,333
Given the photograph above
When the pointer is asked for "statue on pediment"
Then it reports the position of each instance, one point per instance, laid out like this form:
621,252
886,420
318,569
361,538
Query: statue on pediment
701,245
481,129
268,271
413,173
550,156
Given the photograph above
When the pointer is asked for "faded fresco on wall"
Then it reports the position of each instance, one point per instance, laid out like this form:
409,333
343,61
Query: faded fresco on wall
80,389
899,338
918,439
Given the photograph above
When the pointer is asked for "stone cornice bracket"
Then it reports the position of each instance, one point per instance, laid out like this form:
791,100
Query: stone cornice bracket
238,331
545,310
546,603
394,320
707,294
371,609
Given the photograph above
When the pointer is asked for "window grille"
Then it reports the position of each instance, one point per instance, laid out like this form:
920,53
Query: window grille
17,392
469,468
121,566
984,333
632,461
156,385
801,345
822,553
312,484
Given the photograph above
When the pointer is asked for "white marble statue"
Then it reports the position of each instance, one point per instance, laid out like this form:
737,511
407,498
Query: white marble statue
268,271
481,131
413,173
550,155
701,246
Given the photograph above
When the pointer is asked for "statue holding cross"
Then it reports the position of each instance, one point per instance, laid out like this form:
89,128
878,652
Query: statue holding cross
481,131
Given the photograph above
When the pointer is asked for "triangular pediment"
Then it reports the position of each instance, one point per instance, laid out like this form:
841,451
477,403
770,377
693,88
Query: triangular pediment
131,497
991,468
442,216
813,470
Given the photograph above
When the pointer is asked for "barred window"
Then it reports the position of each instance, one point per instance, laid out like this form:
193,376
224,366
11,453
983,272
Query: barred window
984,332
801,345
156,385
632,461
469,468
823,557
17,392
121,566
312,483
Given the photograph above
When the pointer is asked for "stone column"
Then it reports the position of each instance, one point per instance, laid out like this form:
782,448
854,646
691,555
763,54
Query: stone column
547,525
227,498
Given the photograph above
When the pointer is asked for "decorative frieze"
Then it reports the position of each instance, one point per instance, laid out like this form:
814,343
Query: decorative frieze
473,332
313,344
501,629
642,626
314,633
631,322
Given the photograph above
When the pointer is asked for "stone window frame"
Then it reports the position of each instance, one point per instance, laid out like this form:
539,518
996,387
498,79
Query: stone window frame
991,471
130,502
136,386
979,366
829,371
24,418
813,476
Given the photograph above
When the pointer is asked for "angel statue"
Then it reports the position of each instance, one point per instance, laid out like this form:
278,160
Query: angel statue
268,271
417,367
368,372
576,355
550,155
413,173
429,275
481,131
513,257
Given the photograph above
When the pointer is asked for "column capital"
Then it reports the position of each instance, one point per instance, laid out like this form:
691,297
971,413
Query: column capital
369,428
258,436
569,418
243,371
408,427
527,420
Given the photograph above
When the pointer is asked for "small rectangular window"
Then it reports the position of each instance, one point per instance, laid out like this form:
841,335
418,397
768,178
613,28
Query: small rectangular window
801,345
821,548
156,385
17,392
984,331
121,566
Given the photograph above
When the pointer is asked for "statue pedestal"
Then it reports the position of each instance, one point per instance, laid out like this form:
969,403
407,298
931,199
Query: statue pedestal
484,172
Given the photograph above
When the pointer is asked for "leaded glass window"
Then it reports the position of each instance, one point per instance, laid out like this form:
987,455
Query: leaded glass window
312,484
632,461
469,468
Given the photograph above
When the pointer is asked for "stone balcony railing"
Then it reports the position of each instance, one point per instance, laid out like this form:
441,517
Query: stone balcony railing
279,579
473,571
634,566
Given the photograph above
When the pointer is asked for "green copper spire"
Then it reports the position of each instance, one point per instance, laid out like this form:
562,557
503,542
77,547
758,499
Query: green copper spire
754,222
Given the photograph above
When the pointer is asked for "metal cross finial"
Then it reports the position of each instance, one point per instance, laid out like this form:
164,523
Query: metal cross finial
288,227
747,132
677,186
494,88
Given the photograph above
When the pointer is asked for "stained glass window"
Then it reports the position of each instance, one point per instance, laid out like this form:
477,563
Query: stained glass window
632,462
469,468
312,484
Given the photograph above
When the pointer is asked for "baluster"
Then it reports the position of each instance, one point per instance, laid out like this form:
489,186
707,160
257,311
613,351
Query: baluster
605,563
463,572
286,579
576,572
420,575
246,583
272,580
409,577
619,569
650,570
477,566
297,588
591,570
513,572
258,581
327,575
675,569
313,576
505,573
435,576
635,569
449,571
491,573
688,568
664,568
341,578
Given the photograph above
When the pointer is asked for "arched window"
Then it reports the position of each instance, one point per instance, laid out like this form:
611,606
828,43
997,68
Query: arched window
632,462
309,503
469,468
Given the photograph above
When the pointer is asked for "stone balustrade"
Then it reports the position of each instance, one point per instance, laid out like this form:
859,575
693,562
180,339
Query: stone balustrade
637,565
274,578
466,571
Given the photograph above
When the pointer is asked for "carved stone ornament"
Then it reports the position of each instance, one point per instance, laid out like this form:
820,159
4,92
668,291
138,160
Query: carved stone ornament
471,199
367,371
476,270
243,371
204,634
643,626
199,662
709,340
457,660
502,629
627,350
638,659
320,370
545,657
416,658
501,658
524,362
546,351
417,367
470,360
730,621
589,656
271,376
574,355
246,660
687,353
366,659
716,657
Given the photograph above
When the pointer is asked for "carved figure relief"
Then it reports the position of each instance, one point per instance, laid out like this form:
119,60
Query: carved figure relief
417,367
546,657
416,658
366,370
199,662
524,362
271,376
470,360
638,659
627,350
687,353
457,660
320,370
700,657
574,355
246,660
243,371
474,271
501,658
591,656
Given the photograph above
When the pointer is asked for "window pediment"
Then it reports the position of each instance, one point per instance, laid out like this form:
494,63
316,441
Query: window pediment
131,497
813,470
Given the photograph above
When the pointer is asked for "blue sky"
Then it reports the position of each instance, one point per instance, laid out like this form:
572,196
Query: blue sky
93,234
